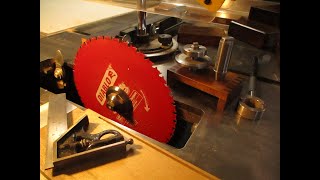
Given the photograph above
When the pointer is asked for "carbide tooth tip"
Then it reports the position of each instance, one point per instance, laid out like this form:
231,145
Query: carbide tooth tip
133,48
141,54
115,39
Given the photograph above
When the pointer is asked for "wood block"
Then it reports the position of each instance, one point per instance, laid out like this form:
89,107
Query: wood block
205,81
207,36
223,18
254,33
143,161
269,14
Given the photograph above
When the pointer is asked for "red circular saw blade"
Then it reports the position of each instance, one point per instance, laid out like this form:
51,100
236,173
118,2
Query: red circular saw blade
102,62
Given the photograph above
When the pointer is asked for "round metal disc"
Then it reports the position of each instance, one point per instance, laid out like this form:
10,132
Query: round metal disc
103,62
163,52
187,61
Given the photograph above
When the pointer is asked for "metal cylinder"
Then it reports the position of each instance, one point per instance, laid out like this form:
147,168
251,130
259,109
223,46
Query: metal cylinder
142,25
142,16
251,107
223,57
252,79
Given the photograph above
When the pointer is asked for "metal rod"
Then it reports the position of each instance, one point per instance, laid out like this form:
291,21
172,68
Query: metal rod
252,79
142,16
250,106
223,57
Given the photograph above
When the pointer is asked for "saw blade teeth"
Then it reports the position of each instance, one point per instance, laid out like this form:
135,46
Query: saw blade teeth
122,44
141,55
79,48
134,48
148,61
128,44
84,43
157,69
162,80
115,39
142,76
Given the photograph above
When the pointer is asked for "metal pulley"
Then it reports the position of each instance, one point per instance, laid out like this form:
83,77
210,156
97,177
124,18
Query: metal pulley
194,56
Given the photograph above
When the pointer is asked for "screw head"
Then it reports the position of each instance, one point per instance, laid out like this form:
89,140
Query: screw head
207,2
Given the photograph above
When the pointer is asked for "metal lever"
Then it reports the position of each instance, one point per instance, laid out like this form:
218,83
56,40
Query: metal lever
84,141
59,71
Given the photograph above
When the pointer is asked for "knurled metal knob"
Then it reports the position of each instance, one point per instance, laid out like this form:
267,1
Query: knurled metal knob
165,39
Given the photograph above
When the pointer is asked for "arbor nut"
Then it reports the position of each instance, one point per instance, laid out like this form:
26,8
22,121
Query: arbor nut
165,39
195,50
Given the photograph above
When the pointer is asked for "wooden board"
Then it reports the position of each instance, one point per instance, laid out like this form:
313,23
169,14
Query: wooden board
205,81
257,34
208,36
144,161
266,14
225,18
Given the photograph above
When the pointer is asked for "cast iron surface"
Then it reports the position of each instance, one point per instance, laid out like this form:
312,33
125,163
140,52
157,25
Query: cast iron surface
222,144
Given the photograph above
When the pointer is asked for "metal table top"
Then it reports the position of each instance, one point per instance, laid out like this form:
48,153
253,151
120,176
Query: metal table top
223,143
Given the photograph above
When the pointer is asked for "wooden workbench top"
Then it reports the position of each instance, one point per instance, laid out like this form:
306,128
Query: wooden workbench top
143,161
